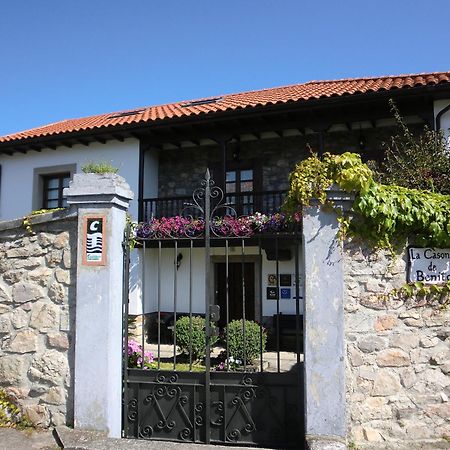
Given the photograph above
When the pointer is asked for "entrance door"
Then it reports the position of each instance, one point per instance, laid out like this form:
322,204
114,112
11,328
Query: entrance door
236,280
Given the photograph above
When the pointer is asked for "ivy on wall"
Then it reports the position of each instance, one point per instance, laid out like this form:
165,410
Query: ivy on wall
385,216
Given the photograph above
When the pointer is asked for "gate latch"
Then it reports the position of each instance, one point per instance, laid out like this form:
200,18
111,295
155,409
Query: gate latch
214,313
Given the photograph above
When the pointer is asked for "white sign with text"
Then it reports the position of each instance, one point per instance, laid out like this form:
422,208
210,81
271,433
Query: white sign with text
429,265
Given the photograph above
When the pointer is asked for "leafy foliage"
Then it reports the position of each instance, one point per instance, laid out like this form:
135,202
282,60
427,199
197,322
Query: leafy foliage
100,167
424,294
197,338
417,162
250,348
381,214
27,219
10,414
312,176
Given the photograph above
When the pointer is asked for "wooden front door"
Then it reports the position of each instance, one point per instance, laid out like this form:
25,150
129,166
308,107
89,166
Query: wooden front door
235,291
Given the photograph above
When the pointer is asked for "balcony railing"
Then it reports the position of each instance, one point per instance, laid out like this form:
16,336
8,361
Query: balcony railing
244,203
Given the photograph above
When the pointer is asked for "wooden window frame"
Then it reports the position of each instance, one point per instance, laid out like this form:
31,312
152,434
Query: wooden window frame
45,189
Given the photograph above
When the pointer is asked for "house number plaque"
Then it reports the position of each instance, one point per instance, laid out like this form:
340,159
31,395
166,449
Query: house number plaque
94,243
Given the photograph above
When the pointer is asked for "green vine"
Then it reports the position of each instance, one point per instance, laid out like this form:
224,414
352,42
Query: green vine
383,215
422,294
26,222
132,237
11,415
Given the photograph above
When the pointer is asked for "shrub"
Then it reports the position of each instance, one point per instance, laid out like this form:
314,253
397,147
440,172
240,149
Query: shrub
252,344
101,167
183,332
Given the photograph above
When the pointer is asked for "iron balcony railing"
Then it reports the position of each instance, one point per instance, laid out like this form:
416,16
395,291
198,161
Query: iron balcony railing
243,203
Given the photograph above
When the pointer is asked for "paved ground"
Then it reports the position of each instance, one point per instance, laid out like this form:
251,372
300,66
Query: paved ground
270,359
11,439
68,439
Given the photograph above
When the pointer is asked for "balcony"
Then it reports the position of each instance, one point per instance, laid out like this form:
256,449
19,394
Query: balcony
244,203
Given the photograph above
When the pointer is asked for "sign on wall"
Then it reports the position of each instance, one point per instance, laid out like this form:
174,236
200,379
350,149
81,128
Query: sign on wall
94,242
429,265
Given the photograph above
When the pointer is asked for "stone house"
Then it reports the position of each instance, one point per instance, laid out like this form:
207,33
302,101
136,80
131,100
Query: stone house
250,142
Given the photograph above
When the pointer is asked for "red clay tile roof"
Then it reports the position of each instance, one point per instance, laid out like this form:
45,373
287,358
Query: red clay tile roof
294,93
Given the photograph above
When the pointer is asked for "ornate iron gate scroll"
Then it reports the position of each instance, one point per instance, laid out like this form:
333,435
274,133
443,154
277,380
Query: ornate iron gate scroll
246,404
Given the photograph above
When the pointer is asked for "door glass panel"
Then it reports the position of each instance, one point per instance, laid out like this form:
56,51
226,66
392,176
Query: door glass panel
246,186
247,175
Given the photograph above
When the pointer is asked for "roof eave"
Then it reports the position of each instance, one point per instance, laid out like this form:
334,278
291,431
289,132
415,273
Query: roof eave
136,130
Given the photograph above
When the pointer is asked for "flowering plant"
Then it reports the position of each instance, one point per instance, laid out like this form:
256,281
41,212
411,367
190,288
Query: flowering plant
135,356
224,226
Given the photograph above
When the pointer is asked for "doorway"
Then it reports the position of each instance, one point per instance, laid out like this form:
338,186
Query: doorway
239,275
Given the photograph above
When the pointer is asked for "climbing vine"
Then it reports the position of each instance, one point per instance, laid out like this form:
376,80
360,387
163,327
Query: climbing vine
385,216
10,414
26,222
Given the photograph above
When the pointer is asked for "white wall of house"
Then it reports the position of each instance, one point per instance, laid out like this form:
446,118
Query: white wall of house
17,177
167,268
439,105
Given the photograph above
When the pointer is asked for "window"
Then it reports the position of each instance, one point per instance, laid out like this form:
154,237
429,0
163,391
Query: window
53,186
240,182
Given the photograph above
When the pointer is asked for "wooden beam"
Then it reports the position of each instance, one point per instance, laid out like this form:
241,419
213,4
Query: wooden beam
118,137
83,142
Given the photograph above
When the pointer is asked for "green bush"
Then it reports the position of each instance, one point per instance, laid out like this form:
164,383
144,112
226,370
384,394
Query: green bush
101,167
252,344
183,333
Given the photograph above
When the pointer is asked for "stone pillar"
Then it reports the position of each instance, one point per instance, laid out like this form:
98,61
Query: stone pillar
324,323
102,202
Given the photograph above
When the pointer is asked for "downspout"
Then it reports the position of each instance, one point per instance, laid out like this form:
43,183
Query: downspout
439,115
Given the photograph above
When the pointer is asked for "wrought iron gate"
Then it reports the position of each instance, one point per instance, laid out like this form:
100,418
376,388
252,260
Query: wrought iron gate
166,396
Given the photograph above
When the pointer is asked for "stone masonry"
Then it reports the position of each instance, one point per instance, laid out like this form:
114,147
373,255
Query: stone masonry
398,359
181,170
37,295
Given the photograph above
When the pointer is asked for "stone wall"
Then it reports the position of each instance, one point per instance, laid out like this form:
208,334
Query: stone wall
37,300
398,359
181,170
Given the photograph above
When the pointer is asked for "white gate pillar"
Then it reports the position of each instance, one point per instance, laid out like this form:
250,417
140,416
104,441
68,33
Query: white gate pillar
324,324
102,202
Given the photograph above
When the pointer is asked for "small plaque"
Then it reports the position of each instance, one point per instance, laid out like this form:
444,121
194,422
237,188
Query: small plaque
272,293
285,293
285,279
94,245
272,279
429,265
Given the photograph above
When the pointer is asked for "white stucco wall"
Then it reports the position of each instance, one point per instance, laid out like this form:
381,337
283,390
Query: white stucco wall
439,105
16,186
198,280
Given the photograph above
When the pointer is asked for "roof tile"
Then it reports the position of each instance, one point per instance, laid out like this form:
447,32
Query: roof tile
293,93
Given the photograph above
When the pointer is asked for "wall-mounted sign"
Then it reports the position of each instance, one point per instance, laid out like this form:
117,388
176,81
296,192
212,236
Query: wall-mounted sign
272,293
429,265
285,279
272,279
94,242
285,293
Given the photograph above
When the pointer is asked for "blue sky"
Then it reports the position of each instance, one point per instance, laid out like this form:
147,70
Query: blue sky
72,58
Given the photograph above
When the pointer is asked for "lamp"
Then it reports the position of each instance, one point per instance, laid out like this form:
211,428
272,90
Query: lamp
179,258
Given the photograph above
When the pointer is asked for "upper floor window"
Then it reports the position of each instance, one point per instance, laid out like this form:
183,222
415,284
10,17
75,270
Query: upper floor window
239,184
53,186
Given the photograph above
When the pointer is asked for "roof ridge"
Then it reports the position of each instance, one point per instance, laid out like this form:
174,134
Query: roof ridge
381,77
296,92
